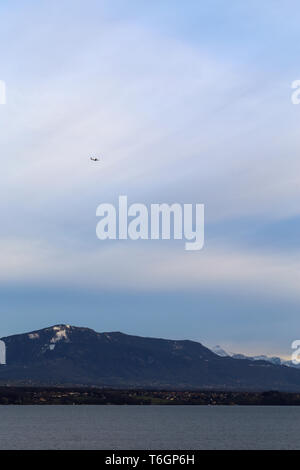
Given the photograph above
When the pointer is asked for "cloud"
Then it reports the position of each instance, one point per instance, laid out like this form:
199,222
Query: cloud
126,266
184,125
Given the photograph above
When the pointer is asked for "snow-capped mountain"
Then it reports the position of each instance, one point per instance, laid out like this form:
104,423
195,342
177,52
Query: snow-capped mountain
219,351
273,359
69,355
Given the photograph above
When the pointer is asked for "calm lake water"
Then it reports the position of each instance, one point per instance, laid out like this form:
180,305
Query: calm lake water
153,427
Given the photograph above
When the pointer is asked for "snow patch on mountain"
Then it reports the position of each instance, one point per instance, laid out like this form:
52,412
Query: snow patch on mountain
60,334
33,335
220,351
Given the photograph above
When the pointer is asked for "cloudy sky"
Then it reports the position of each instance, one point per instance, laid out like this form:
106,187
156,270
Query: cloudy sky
187,102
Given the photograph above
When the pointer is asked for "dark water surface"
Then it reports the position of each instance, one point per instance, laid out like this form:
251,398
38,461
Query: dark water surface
149,427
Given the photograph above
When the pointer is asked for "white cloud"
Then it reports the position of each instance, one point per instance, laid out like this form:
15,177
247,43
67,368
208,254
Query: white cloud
183,121
129,266
172,120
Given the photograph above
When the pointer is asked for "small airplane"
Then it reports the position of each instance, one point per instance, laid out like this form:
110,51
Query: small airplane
95,159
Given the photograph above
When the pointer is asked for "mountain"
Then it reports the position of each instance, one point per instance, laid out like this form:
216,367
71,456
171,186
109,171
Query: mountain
273,359
220,351
69,355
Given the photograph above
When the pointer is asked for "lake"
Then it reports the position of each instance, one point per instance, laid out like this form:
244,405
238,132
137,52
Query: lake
149,427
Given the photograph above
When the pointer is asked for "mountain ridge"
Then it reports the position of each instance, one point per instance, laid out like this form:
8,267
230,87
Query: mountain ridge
71,355
273,359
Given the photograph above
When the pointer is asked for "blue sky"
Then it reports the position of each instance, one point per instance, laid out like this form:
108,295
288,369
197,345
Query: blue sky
187,103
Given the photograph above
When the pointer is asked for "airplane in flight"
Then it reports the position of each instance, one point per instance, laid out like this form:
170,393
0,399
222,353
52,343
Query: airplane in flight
95,159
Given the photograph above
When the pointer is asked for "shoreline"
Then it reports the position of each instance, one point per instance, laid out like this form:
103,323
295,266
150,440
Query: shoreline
20,395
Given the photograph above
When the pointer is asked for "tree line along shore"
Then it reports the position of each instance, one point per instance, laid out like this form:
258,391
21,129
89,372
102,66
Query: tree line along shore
20,395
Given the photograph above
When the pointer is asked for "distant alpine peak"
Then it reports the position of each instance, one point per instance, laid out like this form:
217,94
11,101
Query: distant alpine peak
272,359
219,351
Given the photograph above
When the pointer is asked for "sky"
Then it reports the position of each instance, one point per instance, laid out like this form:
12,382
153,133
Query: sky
185,102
